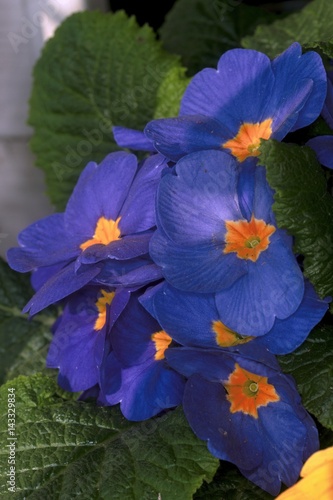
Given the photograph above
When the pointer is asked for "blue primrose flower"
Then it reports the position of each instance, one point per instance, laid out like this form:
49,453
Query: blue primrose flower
80,335
193,320
217,234
105,230
148,384
249,413
248,98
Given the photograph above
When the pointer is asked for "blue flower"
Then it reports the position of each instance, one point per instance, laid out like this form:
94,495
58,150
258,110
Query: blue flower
217,234
248,98
80,336
105,230
249,413
148,384
193,320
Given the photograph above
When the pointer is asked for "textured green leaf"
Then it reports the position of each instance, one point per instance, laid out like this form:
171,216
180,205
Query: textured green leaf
99,70
202,31
23,342
68,449
303,207
312,367
312,28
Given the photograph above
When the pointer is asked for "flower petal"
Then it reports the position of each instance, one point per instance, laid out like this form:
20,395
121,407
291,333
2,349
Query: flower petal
198,268
176,137
43,243
236,93
62,284
100,194
138,211
272,288
288,334
193,204
323,147
132,139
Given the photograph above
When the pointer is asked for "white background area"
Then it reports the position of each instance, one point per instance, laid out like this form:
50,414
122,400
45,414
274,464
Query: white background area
25,25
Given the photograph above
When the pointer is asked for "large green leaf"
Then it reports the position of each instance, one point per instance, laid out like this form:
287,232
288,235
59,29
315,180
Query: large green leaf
68,449
202,31
23,342
99,70
303,207
312,367
312,28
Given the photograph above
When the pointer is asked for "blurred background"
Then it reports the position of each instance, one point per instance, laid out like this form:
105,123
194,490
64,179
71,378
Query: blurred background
25,25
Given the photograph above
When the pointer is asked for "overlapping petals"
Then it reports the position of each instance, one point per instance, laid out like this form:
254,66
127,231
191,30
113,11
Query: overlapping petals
148,384
109,220
248,412
248,98
193,320
217,234
79,339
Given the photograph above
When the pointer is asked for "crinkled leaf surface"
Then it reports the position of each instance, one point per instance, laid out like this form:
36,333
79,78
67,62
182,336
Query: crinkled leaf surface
23,342
312,28
99,70
201,31
68,449
312,367
303,206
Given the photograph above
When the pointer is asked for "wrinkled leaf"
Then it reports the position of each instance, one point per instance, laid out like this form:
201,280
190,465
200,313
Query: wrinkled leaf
303,206
68,449
312,367
99,70
312,28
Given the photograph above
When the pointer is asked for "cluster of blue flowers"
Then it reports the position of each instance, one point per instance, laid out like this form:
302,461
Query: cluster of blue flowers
177,285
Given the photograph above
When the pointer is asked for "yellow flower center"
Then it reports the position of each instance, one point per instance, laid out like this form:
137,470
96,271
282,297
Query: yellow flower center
247,141
106,231
225,337
248,391
102,302
162,341
247,239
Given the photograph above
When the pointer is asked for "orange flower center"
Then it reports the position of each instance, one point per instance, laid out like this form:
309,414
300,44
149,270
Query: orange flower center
247,239
248,391
106,231
102,302
247,141
225,337
162,341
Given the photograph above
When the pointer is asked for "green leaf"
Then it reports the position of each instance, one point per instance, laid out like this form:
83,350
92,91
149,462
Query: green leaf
303,206
229,484
99,70
202,31
312,28
312,367
23,342
68,449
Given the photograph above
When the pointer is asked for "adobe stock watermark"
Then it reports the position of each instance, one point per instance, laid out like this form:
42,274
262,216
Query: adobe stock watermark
11,438
30,27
